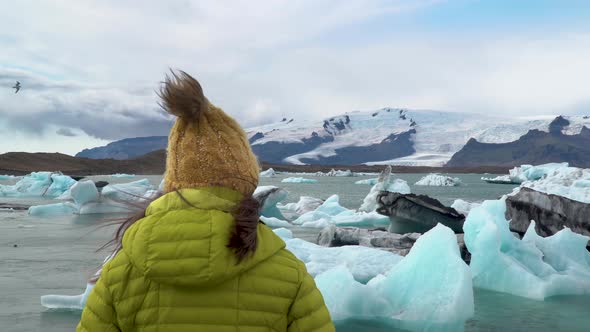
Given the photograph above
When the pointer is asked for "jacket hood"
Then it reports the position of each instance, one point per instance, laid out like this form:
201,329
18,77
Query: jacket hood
185,242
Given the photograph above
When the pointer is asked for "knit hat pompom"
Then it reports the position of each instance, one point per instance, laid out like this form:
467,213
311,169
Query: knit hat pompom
206,147
182,95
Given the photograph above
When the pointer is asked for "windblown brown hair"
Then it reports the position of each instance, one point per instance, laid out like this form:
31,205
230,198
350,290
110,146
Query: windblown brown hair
182,95
244,239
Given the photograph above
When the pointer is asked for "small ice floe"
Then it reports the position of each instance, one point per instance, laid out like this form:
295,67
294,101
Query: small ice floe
332,213
298,180
438,180
269,173
123,175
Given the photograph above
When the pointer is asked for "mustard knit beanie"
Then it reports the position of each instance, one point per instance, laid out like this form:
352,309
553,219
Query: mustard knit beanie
206,147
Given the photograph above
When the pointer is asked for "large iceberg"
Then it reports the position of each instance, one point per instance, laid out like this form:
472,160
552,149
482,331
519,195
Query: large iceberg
385,182
363,263
84,192
39,184
532,173
410,293
298,180
86,199
533,267
332,213
569,182
438,180
269,173
7,177
523,173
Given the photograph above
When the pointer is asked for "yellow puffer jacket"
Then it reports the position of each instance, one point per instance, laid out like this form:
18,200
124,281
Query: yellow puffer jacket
175,273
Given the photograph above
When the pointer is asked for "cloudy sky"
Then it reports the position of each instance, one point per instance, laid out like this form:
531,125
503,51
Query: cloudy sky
89,68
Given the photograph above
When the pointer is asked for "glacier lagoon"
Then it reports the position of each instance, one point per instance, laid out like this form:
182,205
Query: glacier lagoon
55,255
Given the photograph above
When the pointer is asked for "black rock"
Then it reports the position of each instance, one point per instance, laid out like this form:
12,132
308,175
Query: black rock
558,124
400,244
551,213
14,206
410,213
101,184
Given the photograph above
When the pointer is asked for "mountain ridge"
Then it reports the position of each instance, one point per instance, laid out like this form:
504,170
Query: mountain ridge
385,136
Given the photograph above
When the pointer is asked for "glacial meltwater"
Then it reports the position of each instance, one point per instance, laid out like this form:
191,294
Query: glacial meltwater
56,255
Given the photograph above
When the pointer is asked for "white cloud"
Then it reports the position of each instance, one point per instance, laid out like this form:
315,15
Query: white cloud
93,65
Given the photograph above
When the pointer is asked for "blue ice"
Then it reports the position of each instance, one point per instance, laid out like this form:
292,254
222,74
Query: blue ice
533,267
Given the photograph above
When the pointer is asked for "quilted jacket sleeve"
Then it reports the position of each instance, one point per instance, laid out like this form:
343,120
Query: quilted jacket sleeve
309,312
99,314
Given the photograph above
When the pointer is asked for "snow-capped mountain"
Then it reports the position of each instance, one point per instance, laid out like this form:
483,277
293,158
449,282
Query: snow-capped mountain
387,136
391,136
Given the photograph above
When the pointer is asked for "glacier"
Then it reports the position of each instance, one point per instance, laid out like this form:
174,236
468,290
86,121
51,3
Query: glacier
298,180
438,180
533,267
438,135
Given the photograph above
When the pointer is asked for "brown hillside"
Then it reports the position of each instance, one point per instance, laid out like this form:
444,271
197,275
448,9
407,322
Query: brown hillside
21,163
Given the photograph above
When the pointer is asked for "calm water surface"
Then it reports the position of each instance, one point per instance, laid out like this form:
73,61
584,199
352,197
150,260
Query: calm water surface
57,255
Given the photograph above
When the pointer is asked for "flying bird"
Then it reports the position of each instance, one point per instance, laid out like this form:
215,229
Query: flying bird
16,87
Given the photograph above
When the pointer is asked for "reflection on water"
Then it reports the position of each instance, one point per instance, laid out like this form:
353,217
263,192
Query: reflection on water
504,312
